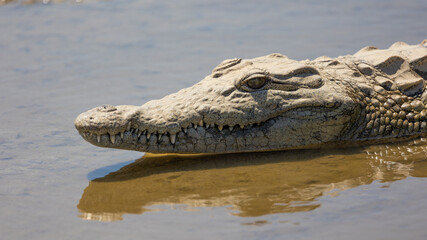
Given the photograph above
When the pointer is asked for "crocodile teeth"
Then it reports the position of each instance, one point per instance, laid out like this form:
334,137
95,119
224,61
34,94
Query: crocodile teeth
173,138
158,136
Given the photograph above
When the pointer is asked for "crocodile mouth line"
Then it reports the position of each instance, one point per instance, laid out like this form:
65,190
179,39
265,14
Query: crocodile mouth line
139,135
146,136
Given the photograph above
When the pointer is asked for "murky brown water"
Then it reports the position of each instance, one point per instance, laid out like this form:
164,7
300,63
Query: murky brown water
57,60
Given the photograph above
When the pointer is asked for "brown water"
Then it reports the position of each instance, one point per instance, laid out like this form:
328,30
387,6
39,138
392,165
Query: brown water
57,60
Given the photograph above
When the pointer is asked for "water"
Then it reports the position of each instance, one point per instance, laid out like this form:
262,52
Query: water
57,60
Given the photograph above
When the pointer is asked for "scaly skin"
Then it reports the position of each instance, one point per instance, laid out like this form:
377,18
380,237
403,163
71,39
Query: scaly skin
275,103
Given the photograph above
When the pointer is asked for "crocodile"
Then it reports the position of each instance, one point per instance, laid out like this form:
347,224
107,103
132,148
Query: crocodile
273,103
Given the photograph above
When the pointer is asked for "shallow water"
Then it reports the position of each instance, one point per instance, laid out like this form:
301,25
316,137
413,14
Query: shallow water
57,60
251,184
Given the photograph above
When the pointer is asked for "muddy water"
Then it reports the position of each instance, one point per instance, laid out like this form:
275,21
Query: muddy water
57,60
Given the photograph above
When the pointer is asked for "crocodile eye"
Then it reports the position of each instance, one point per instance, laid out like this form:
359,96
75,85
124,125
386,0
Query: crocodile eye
256,83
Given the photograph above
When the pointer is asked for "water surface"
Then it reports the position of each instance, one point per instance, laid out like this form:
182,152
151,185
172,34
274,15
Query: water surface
60,59
249,184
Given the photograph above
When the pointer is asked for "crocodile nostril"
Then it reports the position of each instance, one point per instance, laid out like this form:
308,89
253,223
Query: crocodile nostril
106,108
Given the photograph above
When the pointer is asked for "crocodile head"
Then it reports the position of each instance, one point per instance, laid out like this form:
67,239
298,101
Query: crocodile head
261,104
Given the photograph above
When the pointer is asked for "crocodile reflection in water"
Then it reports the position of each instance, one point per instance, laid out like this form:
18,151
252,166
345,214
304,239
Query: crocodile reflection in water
252,184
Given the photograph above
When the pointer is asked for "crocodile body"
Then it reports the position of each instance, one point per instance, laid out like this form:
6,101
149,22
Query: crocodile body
275,103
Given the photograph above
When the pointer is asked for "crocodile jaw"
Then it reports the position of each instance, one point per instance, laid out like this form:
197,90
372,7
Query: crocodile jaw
290,123
297,107
279,133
